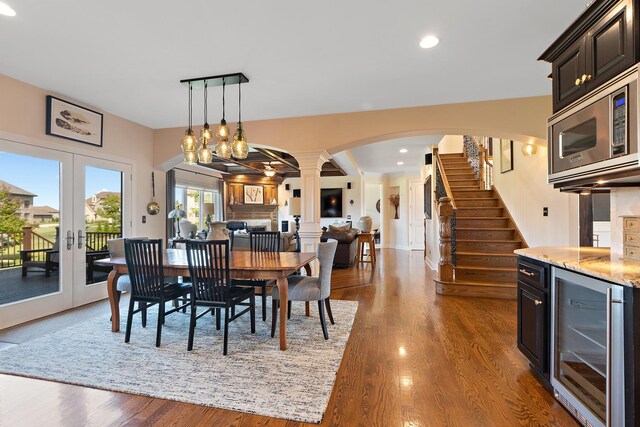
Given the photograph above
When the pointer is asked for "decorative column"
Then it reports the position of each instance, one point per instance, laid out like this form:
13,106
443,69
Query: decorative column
310,164
481,155
445,266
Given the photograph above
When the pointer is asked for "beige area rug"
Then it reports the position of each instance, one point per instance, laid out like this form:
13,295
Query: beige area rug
255,377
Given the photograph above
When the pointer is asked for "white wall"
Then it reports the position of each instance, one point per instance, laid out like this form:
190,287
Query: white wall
372,193
525,192
450,144
432,254
356,194
624,201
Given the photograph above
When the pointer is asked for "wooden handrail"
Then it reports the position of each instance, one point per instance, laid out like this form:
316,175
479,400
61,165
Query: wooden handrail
445,181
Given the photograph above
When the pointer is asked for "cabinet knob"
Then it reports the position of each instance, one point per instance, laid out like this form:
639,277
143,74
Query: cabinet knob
578,81
586,77
538,302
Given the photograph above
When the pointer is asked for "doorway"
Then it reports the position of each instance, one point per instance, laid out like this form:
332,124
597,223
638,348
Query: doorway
57,211
416,216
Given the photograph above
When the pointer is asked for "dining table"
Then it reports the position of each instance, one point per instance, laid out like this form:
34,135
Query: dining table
242,265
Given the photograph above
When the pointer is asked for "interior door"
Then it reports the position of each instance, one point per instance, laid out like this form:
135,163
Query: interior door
416,219
36,206
102,211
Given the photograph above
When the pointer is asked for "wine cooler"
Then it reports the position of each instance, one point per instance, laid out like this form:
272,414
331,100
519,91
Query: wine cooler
587,363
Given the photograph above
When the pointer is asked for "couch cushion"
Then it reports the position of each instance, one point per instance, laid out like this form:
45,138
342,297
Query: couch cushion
339,228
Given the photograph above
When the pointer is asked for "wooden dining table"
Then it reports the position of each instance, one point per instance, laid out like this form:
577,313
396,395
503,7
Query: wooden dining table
242,265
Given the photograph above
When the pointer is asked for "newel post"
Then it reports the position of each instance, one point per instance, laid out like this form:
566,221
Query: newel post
482,152
445,265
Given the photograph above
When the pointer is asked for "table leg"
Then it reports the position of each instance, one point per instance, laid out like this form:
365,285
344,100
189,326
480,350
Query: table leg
307,310
283,291
114,299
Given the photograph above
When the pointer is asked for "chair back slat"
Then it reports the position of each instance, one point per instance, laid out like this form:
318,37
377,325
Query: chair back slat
144,262
209,269
264,241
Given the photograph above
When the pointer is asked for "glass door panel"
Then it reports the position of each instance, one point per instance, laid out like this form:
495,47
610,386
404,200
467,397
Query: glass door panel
101,213
34,221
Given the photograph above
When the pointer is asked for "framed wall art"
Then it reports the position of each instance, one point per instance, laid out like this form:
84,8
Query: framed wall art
506,155
253,195
70,121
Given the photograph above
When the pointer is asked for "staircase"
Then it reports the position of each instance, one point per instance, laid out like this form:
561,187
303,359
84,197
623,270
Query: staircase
486,237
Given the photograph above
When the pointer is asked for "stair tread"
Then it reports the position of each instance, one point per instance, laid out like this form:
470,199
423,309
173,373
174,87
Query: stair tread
488,240
479,207
477,283
485,229
481,217
508,254
477,198
476,267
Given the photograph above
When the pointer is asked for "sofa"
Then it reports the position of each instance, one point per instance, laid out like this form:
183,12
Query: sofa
241,242
347,244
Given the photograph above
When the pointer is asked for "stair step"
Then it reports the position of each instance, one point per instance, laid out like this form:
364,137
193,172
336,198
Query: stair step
457,167
477,289
458,176
489,246
466,185
485,259
463,202
485,233
486,274
451,155
480,222
454,179
480,212
475,194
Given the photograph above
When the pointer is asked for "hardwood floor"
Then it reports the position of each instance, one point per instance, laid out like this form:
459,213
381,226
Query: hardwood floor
414,358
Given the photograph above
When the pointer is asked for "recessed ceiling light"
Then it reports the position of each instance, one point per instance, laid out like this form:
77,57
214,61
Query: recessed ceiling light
6,10
429,42
403,150
400,163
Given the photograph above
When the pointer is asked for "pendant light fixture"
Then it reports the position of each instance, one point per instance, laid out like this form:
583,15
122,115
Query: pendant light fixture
205,155
239,148
223,150
193,151
189,140
269,171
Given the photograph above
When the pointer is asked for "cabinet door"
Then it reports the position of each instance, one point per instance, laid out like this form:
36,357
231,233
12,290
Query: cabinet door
533,335
567,69
610,45
270,193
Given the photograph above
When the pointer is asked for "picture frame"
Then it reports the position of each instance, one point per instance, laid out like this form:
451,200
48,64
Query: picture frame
506,155
73,122
253,195
427,198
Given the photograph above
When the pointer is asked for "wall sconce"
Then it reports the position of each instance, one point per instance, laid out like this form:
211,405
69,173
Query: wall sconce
529,149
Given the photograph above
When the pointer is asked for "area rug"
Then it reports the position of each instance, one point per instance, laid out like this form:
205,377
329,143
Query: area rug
255,377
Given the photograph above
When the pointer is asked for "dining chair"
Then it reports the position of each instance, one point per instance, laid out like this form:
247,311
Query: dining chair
123,283
311,288
262,241
148,286
212,287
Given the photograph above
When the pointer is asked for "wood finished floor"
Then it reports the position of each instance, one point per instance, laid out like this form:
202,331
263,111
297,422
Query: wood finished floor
413,359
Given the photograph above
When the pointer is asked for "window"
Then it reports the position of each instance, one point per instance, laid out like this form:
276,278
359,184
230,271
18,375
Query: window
27,203
199,203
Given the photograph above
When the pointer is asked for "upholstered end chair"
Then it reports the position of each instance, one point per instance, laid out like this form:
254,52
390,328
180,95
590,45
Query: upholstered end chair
347,244
116,250
311,288
241,242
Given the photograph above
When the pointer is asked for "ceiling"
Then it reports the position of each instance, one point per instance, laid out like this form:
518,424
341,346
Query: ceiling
381,158
303,58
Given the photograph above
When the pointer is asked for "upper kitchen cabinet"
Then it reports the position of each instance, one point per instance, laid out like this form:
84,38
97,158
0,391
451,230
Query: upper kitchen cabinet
596,47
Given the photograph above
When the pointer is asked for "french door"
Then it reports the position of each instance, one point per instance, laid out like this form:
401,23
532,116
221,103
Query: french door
57,209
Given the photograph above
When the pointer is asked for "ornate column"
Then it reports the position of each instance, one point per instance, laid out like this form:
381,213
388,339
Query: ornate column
481,157
310,164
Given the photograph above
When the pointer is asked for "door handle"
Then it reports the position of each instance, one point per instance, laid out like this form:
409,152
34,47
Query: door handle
537,302
81,239
70,239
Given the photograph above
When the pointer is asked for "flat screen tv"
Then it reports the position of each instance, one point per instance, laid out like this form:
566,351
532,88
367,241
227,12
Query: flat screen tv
331,202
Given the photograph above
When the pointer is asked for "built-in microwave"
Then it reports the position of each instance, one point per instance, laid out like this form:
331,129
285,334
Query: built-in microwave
597,135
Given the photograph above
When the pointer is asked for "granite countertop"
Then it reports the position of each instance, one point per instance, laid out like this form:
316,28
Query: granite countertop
596,262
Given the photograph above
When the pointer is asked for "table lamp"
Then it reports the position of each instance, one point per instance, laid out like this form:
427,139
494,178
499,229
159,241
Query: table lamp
177,214
295,210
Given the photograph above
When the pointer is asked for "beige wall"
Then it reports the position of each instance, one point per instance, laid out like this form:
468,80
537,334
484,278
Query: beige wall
522,119
22,119
525,192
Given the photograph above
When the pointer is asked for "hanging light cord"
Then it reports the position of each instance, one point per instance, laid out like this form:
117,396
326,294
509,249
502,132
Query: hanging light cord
205,101
190,104
240,101
224,82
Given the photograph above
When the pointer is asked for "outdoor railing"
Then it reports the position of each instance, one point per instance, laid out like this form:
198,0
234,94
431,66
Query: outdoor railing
11,243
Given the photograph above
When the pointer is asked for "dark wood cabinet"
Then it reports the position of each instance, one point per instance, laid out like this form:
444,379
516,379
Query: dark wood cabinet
599,45
534,314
